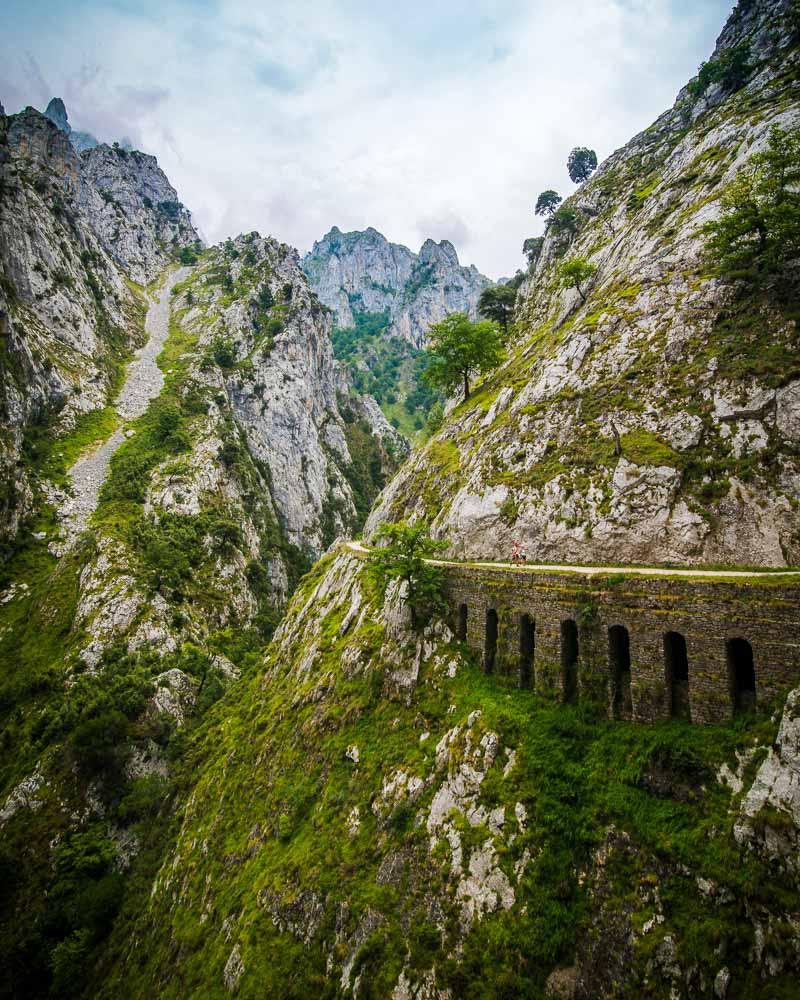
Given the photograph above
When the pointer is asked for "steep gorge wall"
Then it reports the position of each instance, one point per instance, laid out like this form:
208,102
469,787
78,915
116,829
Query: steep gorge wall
660,420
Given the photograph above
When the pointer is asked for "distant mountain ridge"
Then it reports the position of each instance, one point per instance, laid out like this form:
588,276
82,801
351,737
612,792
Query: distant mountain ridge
362,272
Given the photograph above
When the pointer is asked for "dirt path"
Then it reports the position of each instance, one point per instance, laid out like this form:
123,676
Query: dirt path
605,570
143,382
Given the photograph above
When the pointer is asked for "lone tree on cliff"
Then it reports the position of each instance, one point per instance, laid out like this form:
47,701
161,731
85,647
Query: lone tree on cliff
581,164
460,349
575,273
547,202
532,248
758,232
400,554
497,303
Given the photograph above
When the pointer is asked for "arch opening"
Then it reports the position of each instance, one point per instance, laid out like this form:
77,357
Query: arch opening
676,668
619,657
490,643
462,623
742,674
569,661
527,651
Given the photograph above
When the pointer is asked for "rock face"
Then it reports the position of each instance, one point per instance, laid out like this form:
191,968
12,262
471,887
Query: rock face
65,308
57,113
134,210
283,383
72,229
361,272
657,421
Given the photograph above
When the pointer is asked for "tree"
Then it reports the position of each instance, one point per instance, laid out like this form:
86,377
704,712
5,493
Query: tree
460,349
497,302
547,202
564,220
759,229
532,248
401,553
581,164
731,70
574,273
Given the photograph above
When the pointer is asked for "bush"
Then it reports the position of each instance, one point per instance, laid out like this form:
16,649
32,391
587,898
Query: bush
731,70
565,220
759,229
187,255
100,744
143,799
223,352
170,209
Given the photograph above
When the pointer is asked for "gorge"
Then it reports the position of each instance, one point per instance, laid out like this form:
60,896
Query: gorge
235,761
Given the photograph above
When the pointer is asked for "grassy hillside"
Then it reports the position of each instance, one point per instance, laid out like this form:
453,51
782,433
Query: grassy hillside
336,823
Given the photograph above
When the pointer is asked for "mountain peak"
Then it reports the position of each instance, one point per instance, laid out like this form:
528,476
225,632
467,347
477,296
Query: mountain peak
57,113
443,250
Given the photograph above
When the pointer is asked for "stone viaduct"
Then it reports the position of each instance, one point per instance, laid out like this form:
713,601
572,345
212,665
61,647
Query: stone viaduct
699,647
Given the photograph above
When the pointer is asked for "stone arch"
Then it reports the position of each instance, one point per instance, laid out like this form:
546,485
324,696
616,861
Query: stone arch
676,672
462,623
619,659
741,674
527,651
569,660
490,642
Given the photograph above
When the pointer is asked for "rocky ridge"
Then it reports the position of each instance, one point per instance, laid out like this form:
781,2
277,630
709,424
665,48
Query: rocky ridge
659,421
362,272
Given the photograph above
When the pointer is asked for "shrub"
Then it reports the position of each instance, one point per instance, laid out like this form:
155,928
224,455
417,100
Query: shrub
565,220
170,209
731,70
759,229
402,553
223,352
100,744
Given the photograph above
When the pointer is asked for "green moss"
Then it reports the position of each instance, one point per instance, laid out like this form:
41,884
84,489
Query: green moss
442,453
645,448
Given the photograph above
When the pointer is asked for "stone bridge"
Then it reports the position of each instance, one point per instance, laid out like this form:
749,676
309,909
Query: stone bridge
650,643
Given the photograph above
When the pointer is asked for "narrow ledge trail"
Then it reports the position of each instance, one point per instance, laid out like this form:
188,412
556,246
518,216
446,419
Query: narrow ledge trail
144,381
722,574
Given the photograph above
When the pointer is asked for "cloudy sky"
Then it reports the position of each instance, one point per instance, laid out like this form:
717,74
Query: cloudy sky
439,118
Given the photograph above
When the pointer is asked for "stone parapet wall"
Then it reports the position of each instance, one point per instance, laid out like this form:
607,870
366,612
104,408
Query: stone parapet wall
708,613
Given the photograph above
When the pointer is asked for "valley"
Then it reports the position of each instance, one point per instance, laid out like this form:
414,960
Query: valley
363,635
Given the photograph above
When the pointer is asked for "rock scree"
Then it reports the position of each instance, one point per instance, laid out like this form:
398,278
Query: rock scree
143,382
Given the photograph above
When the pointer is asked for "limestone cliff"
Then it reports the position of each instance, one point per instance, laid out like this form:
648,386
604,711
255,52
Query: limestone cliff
67,314
362,272
134,210
659,420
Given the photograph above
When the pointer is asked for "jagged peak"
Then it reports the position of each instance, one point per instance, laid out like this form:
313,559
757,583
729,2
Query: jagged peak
57,113
443,250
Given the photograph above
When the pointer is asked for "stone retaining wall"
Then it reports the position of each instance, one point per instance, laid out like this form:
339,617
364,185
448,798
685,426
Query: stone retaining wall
707,613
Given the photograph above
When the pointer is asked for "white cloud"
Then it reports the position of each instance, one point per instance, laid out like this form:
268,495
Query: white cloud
291,118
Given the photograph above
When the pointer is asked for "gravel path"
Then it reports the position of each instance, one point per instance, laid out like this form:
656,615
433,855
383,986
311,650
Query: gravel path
143,382
605,570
